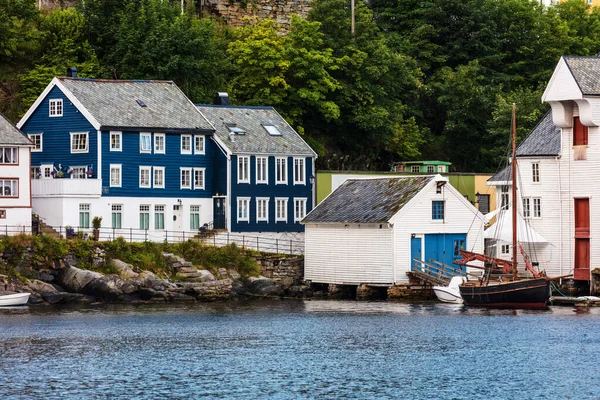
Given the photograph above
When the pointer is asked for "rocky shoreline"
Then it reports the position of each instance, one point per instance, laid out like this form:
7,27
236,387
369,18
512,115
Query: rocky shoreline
64,283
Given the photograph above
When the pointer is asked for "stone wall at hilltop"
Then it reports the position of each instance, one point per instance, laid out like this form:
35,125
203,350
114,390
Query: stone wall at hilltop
231,12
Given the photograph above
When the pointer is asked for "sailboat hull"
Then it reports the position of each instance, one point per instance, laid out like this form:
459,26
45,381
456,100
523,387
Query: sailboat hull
527,293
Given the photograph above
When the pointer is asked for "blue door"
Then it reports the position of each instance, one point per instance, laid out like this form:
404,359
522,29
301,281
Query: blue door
415,252
444,247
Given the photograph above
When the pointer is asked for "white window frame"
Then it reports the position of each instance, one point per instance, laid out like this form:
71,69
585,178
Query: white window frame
12,184
536,207
163,140
431,169
243,170
188,172
279,217
79,172
186,144
55,107
116,209
87,142
299,171
505,249
281,170
144,210
117,145
9,153
194,173
526,208
145,142
159,209
46,170
260,217
145,169
262,170
415,169
199,139
84,215
243,204
195,211
117,169
155,183
302,202
535,172
38,142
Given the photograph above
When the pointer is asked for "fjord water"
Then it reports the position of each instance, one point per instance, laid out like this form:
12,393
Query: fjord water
298,350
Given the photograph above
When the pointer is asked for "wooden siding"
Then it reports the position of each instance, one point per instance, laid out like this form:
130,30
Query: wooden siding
562,85
348,254
131,159
219,169
56,134
415,218
271,190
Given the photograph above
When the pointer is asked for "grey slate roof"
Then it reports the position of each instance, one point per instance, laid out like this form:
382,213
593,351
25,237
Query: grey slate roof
368,200
543,140
586,71
256,140
113,103
10,135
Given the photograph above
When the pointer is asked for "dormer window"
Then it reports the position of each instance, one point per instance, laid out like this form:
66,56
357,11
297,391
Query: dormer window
233,128
272,129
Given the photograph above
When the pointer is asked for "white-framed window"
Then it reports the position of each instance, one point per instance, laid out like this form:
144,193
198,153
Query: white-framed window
504,197
430,169
79,142
535,172
199,144
526,207
537,207
262,169
56,107
46,170
9,155
243,207
505,249
186,178
199,178
145,142
79,172
159,143
117,216
281,209
84,215
158,181
37,140
186,144
281,170
9,188
194,217
159,217
36,172
415,169
272,130
262,209
116,141
299,171
145,177
115,175
144,216
441,168
243,169
299,209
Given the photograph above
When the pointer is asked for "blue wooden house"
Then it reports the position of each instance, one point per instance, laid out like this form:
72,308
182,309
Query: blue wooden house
264,171
136,153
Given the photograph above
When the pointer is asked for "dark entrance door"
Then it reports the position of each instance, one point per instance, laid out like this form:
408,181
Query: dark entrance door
219,213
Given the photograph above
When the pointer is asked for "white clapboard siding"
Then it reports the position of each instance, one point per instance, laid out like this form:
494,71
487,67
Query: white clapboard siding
348,254
562,85
18,209
415,218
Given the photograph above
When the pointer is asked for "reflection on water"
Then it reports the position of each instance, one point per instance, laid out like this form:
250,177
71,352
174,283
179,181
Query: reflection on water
297,349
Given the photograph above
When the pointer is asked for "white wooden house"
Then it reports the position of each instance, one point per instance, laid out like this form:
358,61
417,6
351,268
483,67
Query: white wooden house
15,182
368,230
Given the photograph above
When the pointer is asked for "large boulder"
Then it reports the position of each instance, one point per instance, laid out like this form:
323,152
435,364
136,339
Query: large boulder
75,280
262,286
125,270
64,297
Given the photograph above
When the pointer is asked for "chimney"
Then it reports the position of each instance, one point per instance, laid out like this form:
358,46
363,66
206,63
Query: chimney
72,72
221,99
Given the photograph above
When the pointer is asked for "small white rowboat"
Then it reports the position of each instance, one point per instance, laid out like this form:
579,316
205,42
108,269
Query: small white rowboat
450,293
16,299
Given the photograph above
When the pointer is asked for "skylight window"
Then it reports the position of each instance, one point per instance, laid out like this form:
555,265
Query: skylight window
272,129
141,103
233,128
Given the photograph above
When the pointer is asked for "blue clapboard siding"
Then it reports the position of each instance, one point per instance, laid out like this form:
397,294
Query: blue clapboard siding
219,171
270,190
131,159
56,138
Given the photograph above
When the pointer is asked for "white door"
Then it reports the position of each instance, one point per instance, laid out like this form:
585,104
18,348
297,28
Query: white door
177,219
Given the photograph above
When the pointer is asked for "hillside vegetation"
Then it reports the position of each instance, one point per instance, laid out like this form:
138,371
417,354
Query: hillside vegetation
419,79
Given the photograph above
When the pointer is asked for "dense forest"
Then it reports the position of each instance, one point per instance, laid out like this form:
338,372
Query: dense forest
418,79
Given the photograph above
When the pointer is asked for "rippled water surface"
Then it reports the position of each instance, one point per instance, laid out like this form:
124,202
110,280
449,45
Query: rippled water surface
298,350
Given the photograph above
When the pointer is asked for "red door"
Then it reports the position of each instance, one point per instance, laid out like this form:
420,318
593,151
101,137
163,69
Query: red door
582,240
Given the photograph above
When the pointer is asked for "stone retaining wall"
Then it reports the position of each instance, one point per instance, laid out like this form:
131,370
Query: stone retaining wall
288,270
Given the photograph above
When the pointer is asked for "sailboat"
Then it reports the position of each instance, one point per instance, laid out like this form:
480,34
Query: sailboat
513,292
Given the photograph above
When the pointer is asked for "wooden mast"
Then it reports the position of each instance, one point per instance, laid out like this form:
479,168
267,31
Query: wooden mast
514,189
